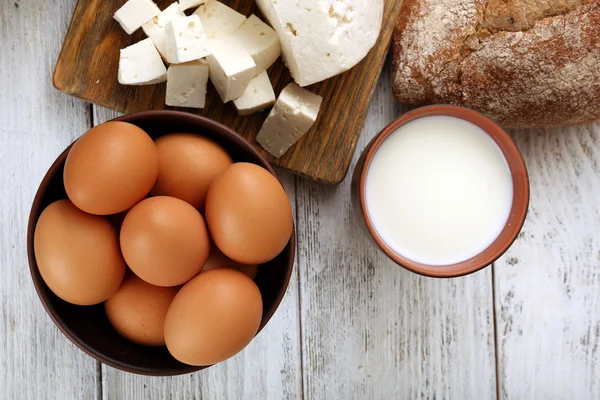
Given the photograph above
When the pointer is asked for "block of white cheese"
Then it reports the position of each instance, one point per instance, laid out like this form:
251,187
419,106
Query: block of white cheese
261,41
185,40
187,4
133,14
186,84
295,111
155,28
140,64
323,38
219,20
258,96
231,69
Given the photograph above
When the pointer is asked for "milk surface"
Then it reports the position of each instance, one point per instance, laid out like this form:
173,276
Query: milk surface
438,190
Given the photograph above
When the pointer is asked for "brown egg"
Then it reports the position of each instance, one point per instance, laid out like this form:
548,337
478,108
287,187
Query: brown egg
213,317
248,214
110,168
164,241
78,254
217,259
138,310
187,164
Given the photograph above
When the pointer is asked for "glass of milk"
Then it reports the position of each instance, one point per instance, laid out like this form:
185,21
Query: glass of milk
443,191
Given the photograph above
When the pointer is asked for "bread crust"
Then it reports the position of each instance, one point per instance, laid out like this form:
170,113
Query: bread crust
523,63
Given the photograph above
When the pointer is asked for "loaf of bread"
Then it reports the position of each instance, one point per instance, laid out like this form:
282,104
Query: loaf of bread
523,63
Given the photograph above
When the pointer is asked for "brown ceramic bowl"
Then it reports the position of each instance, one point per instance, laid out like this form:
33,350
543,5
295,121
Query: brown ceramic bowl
88,327
520,193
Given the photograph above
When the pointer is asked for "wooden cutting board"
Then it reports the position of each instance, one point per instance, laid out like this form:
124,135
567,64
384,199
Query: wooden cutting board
89,59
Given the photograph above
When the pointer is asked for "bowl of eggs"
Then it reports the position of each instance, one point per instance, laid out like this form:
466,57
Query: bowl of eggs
161,242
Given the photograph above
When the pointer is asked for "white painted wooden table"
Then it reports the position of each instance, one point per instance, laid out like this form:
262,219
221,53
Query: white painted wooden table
352,324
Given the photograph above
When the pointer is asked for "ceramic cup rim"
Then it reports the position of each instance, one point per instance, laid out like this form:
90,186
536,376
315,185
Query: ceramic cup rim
519,207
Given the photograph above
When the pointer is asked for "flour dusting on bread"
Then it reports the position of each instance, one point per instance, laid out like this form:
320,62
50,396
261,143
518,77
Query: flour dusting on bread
528,66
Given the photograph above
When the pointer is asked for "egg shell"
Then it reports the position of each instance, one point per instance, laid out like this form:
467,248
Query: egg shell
110,168
164,241
78,254
138,309
248,214
217,259
187,164
213,317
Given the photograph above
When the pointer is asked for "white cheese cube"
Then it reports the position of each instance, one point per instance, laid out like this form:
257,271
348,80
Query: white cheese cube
323,38
140,64
186,84
219,20
261,41
258,96
295,111
133,14
231,69
187,4
185,40
155,28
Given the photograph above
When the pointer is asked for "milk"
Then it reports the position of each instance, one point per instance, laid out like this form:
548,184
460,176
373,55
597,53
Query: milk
438,190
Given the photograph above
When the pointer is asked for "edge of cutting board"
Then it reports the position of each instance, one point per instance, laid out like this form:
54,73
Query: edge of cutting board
328,163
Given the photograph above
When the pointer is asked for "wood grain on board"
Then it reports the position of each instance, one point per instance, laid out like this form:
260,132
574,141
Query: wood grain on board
548,284
36,123
372,330
268,369
88,64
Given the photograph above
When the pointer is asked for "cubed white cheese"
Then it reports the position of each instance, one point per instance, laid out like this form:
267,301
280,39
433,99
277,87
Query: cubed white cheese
140,64
187,4
295,111
185,40
323,38
155,28
261,41
219,20
231,69
258,95
133,14
186,84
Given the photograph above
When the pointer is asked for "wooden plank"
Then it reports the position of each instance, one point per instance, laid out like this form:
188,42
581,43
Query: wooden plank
548,284
269,368
371,330
36,123
88,64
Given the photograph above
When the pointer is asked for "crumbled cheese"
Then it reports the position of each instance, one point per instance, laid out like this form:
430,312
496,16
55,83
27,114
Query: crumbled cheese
323,38
186,84
295,111
219,20
155,28
133,14
261,41
186,40
258,96
187,4
231,69
140,64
